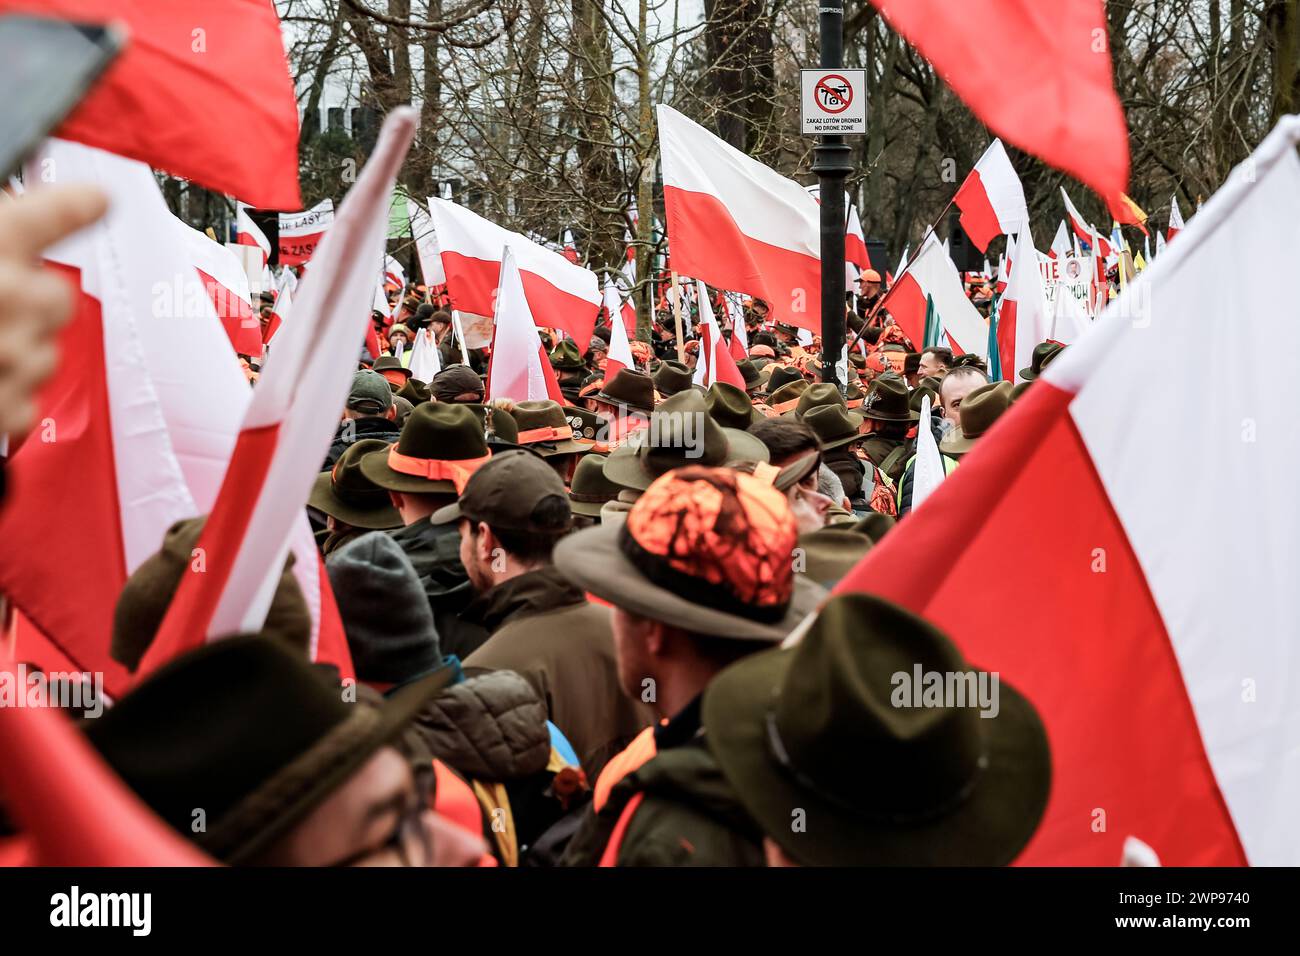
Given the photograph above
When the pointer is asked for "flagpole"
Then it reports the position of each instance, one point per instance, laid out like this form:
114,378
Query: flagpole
677,316
832,165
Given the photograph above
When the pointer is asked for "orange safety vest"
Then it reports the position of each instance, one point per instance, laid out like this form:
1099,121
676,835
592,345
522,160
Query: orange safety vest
630,759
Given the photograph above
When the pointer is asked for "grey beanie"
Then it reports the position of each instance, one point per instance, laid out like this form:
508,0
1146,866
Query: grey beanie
386,615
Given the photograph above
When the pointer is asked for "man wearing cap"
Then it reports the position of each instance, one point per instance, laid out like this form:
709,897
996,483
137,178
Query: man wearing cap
964,780
888,418
457,383
868,289
681,432
510,516
590,490
979,411
625,403
569,368
439,448
700,575
544,428
393,371
369,413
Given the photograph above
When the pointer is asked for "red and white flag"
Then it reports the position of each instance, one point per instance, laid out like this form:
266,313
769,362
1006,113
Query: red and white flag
71,809
519,368
570,247
249,233
201,90
394,274
736,224
288,428
560,294
1023,319
1060,54
426,244
714,362
226,282
301,232
932,274
283,307
1084,230
1061,247
1175,218
133,426
1159,650
991,200
620,350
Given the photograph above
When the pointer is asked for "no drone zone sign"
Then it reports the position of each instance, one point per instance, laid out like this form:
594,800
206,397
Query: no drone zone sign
833,102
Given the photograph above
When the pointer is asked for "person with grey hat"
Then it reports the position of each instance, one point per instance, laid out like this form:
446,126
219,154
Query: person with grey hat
389,626
511,514
369,413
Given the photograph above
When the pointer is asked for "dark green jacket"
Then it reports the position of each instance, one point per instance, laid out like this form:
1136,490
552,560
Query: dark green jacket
689,816
434,550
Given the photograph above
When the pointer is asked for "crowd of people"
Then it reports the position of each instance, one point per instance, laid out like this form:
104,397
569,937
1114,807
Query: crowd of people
582,631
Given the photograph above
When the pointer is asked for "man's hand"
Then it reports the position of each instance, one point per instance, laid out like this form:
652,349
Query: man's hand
34,303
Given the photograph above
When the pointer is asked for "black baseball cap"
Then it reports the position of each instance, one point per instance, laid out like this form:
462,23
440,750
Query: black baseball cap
505,493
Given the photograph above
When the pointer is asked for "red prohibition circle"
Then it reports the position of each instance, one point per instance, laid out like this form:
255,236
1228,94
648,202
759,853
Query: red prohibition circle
846,99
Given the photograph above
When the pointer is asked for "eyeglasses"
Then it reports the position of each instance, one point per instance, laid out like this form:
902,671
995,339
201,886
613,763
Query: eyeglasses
410,840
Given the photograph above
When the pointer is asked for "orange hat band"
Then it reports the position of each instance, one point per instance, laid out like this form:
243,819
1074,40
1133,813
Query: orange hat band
457,472
549,433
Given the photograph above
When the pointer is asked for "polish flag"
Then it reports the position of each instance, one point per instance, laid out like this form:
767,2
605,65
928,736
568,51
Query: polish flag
560,294
1086,231
186,62
715,363
248,233
855,241
519,368
1175,218
426,244
1004,273
72,810
288,428
1159,651
1061,244
570,247
394,274
992,200
133,426
1023,319
620,351
1053,49
280,312
737,224
931,274
226,283
301,232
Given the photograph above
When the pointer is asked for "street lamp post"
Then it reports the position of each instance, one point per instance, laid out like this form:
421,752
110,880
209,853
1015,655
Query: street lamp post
832,166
